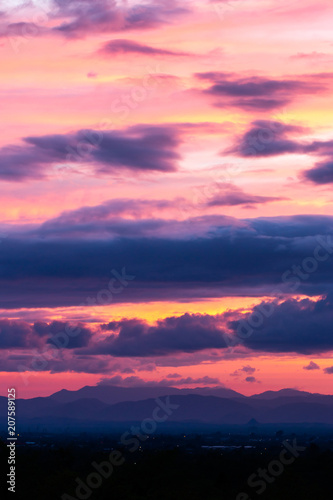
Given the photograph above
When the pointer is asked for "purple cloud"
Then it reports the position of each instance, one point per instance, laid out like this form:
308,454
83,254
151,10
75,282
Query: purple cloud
121,46
311,366
139,148
255,92
219,255
21,334
136,338
246,369
81,18
322,173
231,195
201,380
267,138
17,335
302,327
272,138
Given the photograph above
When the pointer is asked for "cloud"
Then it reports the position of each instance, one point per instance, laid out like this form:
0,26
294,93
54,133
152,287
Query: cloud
245,369
121,46
255,92
267,138
251,379
119,217
272,138
57,331
302,327
127,370
248,369
141,148
173,375
256,104
135,381
18,163
54,361
232,195
329,370
136,338
322,173
310,55
295,326
224,84
23,335
199,257
124,217
201,380
17,334
81,18
132,381
20,29
138,148
311,366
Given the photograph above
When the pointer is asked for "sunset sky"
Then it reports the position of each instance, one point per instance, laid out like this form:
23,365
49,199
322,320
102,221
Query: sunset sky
166,174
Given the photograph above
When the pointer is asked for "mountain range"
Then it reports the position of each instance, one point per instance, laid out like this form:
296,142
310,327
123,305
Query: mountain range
107,406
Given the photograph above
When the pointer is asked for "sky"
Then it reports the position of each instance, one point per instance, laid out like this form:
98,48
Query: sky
166,175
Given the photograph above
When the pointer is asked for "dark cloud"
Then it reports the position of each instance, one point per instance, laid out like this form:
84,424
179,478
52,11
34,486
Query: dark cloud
329,370
21,334
139,148
220,258
17,334
267,138
249,87
130,47
251,379
255,92
322,173
54,361
272,138
311,366
302,327
136,338
58,336
142,148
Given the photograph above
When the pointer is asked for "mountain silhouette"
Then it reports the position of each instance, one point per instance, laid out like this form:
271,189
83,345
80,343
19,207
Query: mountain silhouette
93,405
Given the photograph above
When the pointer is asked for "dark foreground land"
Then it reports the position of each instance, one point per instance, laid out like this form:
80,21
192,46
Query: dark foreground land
277,466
